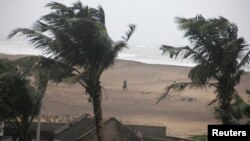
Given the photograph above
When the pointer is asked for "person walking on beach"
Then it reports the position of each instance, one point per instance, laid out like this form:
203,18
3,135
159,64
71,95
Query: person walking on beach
125,85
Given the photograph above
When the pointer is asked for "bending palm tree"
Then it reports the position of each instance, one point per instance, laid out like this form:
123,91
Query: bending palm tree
218,52
77,41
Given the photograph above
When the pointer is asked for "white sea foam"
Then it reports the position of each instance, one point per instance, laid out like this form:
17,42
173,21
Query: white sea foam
151,55
18,47
140,53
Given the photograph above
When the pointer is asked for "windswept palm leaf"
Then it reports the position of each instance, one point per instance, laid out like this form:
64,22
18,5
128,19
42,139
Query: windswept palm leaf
248,91
179,87
245,60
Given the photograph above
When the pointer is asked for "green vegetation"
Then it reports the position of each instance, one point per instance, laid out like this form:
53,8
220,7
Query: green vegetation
20,102
240,108
219,54
198,138
76,40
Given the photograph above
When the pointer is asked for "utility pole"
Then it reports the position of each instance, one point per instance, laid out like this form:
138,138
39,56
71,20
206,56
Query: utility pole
1,128
38,127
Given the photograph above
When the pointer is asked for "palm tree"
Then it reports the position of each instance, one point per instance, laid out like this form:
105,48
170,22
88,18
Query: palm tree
247,107
20,70
76,40
220,56
19,101
29,67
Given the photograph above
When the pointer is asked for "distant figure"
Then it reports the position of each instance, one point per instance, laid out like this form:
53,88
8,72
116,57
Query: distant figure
125,85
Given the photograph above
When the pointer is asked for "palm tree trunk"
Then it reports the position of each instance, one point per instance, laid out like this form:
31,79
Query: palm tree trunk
24,135
225,94
98,115
24,130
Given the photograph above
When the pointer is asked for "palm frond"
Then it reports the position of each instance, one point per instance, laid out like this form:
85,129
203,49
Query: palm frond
40,27
219,114
55,65
247,91
57,6
176,88
177,51
212,102
172,51
201,74
40,40
238,107
101,14
179,87
55,19
184,52
230,52
78,5
26,62
129,33
5,66
39,66
112,53
237,76
98,14
245,60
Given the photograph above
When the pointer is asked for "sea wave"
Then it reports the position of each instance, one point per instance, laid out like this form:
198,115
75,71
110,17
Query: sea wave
18,48
139,53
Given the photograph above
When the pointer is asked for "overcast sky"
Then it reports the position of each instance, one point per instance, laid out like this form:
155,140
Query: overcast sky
154,18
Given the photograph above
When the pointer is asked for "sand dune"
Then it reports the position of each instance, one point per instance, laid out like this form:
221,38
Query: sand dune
183,114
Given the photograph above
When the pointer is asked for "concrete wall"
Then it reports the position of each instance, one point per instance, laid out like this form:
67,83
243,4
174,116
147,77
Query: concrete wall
167,138
153,131
5,139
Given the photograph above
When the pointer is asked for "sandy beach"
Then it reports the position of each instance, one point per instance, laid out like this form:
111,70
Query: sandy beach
183,114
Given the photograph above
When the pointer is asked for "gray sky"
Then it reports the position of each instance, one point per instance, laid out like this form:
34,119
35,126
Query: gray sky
154,18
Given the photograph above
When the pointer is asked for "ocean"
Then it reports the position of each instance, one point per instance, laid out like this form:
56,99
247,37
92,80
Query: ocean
139,53
144,54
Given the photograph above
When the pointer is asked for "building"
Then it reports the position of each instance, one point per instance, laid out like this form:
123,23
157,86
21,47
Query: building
46,134
113,131
83,129
152,133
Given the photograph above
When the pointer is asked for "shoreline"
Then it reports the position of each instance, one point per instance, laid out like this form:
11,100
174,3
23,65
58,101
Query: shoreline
16,56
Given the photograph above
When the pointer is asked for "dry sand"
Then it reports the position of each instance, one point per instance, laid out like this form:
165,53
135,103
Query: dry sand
138,105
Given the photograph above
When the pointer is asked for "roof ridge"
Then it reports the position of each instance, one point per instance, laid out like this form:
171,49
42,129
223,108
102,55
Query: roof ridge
90,130
59,130
106,122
